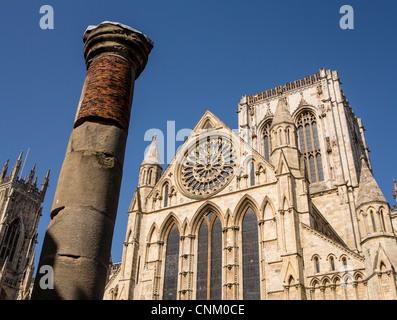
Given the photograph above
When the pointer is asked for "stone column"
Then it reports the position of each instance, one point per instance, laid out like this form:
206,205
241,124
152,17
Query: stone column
78,240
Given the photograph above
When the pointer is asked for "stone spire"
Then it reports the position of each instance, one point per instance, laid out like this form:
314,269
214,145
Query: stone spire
368,190
152,156
395,189
282,114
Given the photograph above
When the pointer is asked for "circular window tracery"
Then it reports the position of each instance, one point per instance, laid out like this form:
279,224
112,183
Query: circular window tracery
207,166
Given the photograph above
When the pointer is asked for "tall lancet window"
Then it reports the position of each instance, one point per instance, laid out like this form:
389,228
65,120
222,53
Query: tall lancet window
171,265
10,241
209,259
166,195
252,173
250,249
309,145
267,145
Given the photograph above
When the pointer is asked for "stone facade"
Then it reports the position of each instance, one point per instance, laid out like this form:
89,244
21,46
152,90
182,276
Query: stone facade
20,211
287,208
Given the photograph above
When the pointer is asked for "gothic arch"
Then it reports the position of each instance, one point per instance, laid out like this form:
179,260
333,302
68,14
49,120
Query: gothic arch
171,259
185,227
326,281
344,259
331,258
228,217
166,225
204,208
263,123
335,279
208,124
267,202
358,276
310,137
245,202
285,203
315,282
153,233
290,273
165,191
316,263
301,109
12,239
207,225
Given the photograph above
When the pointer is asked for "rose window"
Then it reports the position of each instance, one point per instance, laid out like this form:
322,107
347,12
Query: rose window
207,166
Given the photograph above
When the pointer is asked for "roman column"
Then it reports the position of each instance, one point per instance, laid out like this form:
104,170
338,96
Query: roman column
78,239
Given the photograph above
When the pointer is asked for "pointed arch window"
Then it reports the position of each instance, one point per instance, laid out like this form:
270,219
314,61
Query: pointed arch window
344,261
371,212
166,191
332,263
171,265
267,145
149,176
250,250
309,145
317,264
10,241
209,259
252,173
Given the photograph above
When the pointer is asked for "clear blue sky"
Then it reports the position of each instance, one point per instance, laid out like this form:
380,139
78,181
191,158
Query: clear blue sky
207,54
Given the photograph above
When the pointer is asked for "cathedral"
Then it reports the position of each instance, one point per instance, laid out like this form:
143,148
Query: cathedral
285,208
20,211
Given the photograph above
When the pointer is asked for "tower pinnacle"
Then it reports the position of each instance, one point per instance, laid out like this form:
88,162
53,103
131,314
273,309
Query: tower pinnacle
368,190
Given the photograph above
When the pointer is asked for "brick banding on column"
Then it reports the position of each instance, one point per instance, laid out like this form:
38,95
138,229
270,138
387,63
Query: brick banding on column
108,92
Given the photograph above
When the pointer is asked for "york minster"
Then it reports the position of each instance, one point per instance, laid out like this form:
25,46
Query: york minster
286,208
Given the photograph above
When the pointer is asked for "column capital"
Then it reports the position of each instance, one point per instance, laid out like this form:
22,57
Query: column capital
117,39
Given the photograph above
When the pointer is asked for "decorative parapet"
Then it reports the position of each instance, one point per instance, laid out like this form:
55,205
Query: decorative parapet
290,86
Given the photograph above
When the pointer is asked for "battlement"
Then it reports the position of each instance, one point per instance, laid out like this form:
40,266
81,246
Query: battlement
27,184
22,184
290,86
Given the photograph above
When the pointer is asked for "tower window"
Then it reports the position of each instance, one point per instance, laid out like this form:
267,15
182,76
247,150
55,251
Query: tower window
309,145
10,241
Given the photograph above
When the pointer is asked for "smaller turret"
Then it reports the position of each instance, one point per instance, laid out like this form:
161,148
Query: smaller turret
151,168
284,137
3,172
377,236
17,167
31,175
44,185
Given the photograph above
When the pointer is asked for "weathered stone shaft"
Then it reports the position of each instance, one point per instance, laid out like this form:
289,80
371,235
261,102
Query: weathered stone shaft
78,240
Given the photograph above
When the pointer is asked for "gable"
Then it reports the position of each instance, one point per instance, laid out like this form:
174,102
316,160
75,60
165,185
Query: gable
208,161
